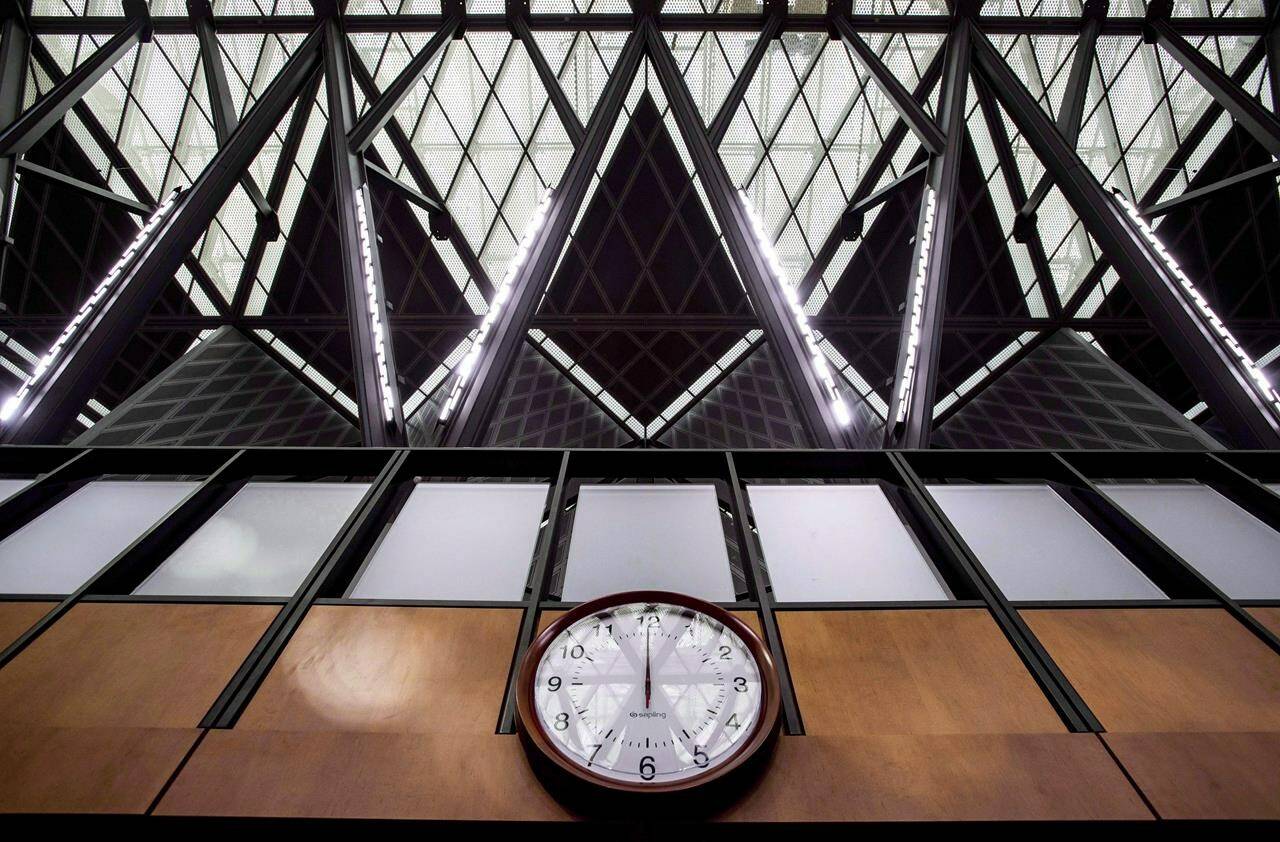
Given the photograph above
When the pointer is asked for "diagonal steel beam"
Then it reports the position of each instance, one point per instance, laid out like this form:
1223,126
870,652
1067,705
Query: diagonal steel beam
1200,194
1247,111
564,109
69,374
275,190
1017,193
20,135
796,353
870,178
1207,352
224,111
1071,115
15,49
919,121
92,191
384,108
724,117
409,193
495,354
910,420
373,357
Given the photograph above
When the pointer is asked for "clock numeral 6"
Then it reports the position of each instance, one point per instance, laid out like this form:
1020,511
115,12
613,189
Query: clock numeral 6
647,769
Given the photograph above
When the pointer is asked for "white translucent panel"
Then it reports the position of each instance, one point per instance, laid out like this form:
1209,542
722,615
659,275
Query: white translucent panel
1235,550
839,542
1037,547
10,487
60,550
261,543
633,537
457,541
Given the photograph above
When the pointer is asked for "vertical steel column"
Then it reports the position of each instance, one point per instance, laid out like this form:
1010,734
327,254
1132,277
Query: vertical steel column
21,134
15,50
224,112
74,372
911,403
1272,40
377,394
469,423
790,346
1215,366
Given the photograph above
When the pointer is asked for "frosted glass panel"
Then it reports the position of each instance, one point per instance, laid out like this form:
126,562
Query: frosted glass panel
1037,547
839,542
10,487
60,550
1235,550
664,537
457,541
261,543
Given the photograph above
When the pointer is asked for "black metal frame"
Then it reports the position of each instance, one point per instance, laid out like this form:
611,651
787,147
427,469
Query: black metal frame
392,473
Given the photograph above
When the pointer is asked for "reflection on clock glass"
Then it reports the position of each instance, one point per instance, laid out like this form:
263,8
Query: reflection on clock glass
648,693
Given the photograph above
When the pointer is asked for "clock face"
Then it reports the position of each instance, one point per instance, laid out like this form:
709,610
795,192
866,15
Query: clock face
648,694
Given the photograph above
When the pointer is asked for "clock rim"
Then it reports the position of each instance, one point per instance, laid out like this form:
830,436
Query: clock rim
763,729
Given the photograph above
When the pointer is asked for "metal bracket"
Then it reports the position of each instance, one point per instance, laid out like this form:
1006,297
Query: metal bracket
1158,11
139,10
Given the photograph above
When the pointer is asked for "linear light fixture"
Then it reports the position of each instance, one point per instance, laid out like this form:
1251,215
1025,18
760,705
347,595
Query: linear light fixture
816,358
917,306
375,313
1255,374
87,310
500,296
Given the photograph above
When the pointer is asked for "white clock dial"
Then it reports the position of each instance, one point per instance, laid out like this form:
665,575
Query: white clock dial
648,693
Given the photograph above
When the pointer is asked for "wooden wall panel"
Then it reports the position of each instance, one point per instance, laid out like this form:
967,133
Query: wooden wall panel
1164,669
910,671
101,770
130,664
1206,775
361,775
364,668
1269,616
17,617
934,777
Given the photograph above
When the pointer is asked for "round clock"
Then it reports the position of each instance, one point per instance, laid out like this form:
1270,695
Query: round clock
647,692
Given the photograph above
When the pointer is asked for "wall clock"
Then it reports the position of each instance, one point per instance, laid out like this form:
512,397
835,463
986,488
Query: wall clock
647,692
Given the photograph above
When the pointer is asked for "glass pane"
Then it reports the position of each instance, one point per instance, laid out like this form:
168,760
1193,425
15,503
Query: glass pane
457,541
10,487
58,551
1037,547
826,543
633,537
1235,550
261,543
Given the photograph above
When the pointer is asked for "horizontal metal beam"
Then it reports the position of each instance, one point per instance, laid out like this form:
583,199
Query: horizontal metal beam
937,24
908,107
1201,194
91,191
381,112
20,135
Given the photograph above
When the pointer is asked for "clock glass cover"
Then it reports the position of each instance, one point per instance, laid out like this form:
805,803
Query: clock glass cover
649,693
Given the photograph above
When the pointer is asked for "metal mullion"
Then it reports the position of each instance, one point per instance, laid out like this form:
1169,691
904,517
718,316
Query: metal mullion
564,110
535,590
736,94
761,592
1066,701
149,549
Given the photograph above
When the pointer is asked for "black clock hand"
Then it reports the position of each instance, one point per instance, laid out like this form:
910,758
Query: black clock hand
648,669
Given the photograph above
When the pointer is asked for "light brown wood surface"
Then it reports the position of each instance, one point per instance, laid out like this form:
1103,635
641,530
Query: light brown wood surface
360,774
935,777
100,770
1164,669
1204,775
17,617
134,665
1269,616
363,668
909,671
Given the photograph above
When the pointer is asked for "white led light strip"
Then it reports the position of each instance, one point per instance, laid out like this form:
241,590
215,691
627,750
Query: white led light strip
1260,381
917,306
816,358
500,296
87,310
375,313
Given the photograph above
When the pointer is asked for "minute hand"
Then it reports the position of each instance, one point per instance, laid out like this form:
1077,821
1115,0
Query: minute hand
648,670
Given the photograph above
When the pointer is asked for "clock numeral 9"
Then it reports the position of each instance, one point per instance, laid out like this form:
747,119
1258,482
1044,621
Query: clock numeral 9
647,769
553,683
